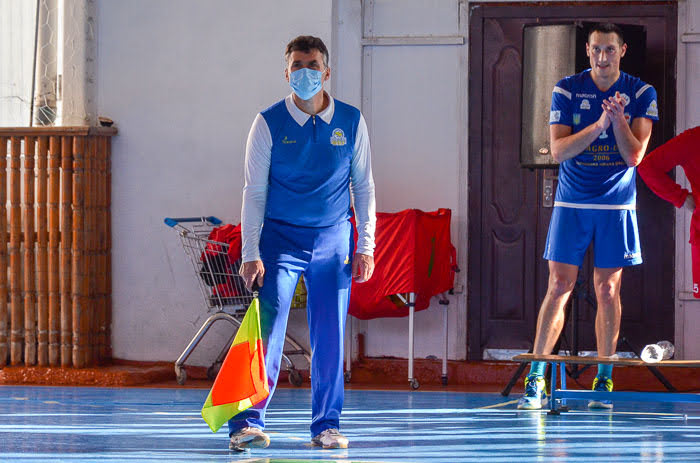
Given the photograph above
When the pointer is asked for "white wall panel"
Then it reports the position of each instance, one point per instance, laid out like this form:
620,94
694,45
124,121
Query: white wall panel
414,17
17,21
414,126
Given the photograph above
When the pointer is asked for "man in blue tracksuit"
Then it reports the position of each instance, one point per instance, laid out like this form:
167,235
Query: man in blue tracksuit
305,155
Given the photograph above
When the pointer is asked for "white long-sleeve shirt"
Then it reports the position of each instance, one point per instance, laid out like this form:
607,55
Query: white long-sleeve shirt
257,168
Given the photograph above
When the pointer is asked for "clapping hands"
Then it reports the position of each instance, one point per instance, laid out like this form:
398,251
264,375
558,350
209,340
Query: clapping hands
614,109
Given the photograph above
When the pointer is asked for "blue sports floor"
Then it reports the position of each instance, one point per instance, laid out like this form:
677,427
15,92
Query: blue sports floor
54,424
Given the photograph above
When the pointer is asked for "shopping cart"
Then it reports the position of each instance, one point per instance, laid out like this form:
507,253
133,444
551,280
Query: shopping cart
223,289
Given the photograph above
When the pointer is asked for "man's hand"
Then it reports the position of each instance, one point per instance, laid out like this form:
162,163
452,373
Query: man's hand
250,271
689,203
362,267
603,121
632,137
614,107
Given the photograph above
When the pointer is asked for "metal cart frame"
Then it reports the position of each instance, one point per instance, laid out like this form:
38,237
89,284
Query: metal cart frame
223,290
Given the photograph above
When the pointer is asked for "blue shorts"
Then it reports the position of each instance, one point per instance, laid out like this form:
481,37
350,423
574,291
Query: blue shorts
614,234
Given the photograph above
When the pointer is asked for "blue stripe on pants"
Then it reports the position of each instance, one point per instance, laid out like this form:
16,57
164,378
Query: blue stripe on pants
323,255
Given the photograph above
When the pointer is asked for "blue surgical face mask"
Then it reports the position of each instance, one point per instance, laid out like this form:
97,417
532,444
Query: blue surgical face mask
306,82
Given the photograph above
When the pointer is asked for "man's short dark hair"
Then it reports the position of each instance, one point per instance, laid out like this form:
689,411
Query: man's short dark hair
307,43
607,28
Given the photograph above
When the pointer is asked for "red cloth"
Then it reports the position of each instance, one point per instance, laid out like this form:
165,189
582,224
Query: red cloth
684,151
231,235
413,254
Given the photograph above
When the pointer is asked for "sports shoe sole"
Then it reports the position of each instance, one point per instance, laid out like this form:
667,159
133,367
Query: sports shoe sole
596,405
255,442
337,445
527,406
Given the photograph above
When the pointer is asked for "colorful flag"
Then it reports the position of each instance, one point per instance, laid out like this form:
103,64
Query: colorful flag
242,380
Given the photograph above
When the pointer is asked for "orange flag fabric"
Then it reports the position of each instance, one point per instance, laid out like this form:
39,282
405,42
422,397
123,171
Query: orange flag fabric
242,379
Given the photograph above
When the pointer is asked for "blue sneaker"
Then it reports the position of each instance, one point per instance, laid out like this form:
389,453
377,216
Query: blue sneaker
535,396
601,384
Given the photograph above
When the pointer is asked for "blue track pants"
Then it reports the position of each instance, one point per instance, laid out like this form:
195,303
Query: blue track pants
324,256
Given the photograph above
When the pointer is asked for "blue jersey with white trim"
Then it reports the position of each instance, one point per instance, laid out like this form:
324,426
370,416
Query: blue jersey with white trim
598,176
309,179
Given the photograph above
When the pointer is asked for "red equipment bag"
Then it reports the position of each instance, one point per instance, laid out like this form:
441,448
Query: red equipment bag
217,265
413,254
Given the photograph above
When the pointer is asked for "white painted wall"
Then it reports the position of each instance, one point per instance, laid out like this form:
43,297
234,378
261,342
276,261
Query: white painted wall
183,81
17,21
688,115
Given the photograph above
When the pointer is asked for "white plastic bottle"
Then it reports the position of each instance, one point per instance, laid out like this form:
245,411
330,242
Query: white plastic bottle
668,349
653,353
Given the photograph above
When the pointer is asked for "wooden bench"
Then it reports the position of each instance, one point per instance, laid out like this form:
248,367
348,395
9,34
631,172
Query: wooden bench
559,395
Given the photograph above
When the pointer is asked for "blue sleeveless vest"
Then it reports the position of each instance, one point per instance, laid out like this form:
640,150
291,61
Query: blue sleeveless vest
310,166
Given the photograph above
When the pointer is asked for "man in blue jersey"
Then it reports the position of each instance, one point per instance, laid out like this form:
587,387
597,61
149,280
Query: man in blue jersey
305,155
600,124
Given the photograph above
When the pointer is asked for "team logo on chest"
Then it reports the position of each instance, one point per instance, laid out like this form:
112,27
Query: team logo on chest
585,104
577,118
625,98
338,138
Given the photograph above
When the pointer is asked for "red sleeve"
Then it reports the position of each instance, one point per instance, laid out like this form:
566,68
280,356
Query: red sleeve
656,164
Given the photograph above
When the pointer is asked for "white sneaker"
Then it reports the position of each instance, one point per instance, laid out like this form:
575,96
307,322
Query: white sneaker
249,438
330,439
535,396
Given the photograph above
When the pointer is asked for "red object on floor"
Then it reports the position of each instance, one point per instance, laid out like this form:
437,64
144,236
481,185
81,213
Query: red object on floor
413,254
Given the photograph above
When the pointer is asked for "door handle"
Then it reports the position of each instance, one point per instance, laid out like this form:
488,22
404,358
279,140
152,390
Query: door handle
547,191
